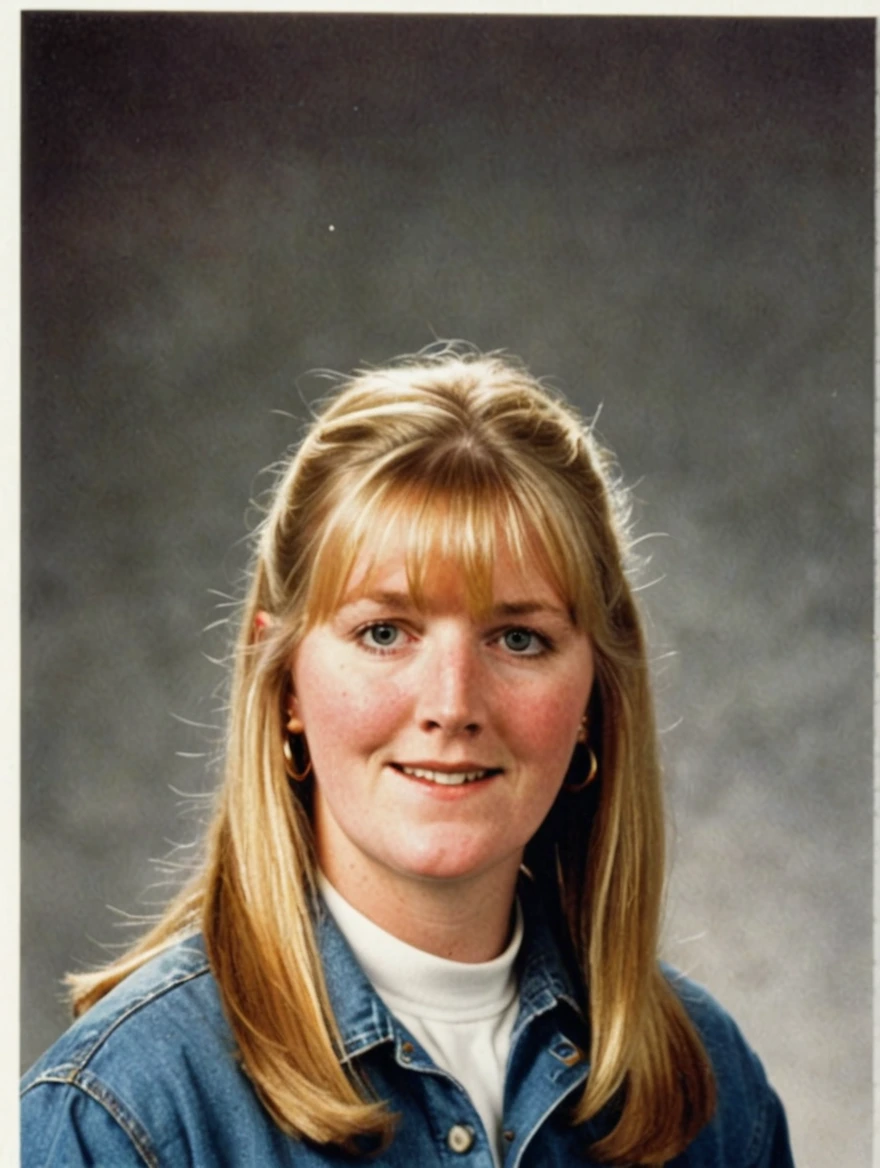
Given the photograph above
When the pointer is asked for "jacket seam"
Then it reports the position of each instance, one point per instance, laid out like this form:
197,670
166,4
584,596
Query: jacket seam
371,1044
93,1088
539,1123
83,1056
763,1129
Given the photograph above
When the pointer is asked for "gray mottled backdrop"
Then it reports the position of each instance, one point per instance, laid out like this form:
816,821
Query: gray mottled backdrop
674,218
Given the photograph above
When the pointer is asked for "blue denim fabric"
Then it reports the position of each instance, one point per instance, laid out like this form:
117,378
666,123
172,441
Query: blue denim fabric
150,1076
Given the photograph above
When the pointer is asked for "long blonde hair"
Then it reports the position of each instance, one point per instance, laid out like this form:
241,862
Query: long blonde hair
457,447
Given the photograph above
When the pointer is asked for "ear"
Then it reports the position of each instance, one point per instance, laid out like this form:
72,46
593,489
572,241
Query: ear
295,723
263,621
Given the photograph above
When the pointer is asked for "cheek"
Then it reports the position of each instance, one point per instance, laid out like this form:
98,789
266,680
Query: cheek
547,724
342,715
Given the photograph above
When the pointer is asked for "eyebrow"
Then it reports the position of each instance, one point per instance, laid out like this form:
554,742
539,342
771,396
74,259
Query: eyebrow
395,600
403,602
526,607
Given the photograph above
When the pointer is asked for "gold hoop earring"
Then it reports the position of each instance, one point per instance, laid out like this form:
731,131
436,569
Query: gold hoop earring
290,764
575,788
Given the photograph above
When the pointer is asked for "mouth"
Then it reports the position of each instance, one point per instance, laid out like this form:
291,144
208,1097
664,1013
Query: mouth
455,777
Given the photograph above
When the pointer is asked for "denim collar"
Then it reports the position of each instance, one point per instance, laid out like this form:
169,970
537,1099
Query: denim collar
363,1019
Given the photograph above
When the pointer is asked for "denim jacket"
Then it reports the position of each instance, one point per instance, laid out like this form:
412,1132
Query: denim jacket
149,1076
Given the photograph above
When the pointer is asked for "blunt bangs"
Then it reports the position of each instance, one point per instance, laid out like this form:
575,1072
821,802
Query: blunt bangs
462,524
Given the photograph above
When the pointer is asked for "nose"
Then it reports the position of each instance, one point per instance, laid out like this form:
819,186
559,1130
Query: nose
452,692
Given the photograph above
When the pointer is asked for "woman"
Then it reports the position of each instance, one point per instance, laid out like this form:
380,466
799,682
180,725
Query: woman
425,927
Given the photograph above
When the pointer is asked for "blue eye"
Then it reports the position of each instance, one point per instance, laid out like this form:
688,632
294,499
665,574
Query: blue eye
523,642
381,636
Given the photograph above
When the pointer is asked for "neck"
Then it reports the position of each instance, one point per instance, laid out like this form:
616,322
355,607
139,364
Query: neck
464,920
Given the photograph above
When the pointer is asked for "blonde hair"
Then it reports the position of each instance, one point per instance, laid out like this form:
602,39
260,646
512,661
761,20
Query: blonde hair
456,448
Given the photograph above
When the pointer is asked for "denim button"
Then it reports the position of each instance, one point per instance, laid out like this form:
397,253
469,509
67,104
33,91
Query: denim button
569,1054
460,1137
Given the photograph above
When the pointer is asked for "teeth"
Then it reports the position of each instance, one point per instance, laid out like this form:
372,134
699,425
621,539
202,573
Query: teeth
444,778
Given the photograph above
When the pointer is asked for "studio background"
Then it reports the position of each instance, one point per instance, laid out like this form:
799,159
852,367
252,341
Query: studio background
673,218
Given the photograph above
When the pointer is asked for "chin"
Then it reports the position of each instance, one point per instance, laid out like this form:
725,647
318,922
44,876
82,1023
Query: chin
439,861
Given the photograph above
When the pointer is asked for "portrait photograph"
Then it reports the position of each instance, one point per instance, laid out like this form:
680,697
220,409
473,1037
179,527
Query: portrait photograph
660,233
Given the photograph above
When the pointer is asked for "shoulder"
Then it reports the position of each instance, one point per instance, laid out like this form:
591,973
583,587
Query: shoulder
716,1026
132,1066
177,986
749,1126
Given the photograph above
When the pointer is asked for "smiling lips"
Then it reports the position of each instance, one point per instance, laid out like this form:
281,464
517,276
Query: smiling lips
447,778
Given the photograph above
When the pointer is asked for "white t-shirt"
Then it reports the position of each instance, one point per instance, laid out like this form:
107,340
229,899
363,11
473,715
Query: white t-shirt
462,1013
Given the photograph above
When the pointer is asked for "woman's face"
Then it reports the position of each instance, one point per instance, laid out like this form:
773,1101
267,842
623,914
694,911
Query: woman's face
439,741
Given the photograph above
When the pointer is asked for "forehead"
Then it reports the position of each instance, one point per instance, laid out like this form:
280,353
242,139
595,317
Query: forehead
393,572
487,546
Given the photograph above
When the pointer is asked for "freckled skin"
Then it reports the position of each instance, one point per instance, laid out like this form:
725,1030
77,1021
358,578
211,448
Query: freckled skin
382,684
